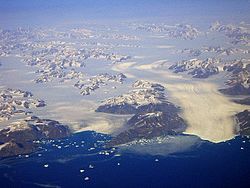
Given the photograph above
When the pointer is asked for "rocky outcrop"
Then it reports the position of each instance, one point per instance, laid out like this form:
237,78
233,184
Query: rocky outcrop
93,83
213,50
238,72
238,34
245,101
13,148
149,125
19,137
178,31
225,51
16,101
197,68
239,81
145,97
243,119
49,128
153,116
237,89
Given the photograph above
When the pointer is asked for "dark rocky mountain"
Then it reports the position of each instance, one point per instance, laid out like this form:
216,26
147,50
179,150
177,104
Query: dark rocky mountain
126,108
245,101
146,97
197,68
149,125
243,119
236,89
13,148
153,116
239,81
19,137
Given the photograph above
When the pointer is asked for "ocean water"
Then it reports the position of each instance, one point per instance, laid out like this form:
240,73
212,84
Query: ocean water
60,163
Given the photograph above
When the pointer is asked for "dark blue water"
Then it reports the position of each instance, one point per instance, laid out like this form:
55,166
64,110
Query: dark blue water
209,165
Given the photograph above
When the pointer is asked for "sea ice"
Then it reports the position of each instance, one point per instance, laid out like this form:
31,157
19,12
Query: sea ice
86,178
